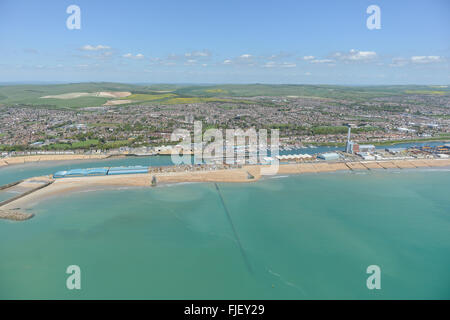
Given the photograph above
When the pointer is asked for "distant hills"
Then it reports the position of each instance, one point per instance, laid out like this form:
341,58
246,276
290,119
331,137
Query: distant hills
33,94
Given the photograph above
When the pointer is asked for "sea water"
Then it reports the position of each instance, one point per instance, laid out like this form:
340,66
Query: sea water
309,236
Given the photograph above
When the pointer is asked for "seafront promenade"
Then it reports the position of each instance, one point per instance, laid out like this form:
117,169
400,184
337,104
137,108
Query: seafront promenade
39,188
52,157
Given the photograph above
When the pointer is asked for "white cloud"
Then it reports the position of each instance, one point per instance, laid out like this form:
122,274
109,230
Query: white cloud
306,58
322,61
190,62
361,55
243,60
273,64
138,56
99,47
355,55
105,54
174,56
400,62
198,54
425,59
96,52
280,55
269,64
288,65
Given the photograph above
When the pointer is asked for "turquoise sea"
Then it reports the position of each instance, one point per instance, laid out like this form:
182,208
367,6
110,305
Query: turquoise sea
310,236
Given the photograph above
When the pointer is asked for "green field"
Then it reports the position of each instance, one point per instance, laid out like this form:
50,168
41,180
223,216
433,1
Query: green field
85,145
31,95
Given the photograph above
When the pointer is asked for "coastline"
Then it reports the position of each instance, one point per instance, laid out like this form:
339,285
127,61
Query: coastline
53,157
13,210
387,143
74,157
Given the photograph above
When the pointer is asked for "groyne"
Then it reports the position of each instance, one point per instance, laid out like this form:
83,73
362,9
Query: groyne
9,185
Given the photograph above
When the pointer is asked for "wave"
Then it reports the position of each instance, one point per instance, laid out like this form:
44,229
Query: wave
278,177
288,283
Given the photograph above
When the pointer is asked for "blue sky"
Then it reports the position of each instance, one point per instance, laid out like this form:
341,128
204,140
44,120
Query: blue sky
232,41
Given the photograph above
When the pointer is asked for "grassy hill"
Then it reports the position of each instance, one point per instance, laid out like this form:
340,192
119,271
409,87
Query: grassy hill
321,91
30,95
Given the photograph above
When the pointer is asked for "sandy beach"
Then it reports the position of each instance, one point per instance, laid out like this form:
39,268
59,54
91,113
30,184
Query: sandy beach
248,173
52,157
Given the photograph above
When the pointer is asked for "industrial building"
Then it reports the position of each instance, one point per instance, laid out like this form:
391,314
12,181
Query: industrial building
366,156
366,148
329,156
354,148
295,157
100,172
127,170
349,147
395,150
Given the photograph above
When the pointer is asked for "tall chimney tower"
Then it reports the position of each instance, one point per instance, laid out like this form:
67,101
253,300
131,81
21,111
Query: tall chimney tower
348,145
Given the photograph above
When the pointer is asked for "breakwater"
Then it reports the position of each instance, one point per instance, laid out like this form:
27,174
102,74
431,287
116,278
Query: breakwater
9,185
16,214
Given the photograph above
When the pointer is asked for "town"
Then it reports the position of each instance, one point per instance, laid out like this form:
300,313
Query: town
147,127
